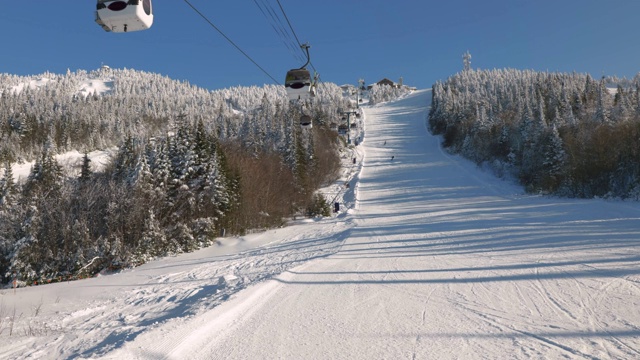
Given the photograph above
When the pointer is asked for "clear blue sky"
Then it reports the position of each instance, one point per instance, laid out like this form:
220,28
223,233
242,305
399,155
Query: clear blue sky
420,40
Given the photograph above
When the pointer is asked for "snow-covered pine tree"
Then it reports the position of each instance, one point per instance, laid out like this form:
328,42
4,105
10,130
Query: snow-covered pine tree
45,178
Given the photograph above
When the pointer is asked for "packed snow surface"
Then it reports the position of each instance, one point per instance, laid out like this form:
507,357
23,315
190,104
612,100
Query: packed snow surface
434,259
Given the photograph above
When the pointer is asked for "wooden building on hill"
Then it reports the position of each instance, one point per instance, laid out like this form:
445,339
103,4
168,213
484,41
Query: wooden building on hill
384,81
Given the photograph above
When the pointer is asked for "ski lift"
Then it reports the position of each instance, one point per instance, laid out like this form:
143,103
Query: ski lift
298,82
124,16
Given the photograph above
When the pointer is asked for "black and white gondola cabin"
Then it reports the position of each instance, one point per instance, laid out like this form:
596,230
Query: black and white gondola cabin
124,16
298,84
305,121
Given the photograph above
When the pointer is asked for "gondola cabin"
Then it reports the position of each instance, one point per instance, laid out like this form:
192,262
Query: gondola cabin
305,121
298,84
124,16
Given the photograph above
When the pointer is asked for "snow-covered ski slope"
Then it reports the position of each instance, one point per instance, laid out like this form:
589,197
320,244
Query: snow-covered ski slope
436,260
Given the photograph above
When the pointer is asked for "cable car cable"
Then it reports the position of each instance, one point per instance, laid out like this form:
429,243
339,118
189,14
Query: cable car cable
270,13
230,41
276,24
295,45
288,22
293,31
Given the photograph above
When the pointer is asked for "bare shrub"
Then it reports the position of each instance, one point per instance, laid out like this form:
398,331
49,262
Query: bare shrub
267,189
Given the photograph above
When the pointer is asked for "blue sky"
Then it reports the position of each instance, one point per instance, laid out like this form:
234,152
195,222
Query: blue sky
419,40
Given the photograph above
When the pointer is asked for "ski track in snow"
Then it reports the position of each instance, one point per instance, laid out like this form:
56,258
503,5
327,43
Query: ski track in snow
430,258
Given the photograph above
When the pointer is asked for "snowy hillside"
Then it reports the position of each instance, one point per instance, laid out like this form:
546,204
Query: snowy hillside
90,110
167,168
434,260
31,84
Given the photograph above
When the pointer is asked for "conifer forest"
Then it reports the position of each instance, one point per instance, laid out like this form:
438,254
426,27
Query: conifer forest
563,134
189,165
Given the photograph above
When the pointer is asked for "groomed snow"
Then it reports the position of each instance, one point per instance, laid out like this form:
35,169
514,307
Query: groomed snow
434,260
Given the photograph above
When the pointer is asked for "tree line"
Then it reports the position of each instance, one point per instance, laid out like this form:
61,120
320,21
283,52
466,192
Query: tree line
565,134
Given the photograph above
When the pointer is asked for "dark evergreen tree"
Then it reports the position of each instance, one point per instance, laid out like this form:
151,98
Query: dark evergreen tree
85,169
8,187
